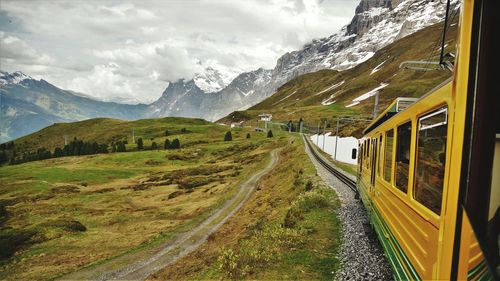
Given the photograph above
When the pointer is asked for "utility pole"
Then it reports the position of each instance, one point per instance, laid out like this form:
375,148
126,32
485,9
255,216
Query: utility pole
336,140
65,139
133,135
375,106
324,136
301,125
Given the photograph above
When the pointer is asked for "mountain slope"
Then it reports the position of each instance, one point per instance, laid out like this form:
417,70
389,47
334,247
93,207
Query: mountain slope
326,94
28,105
374,25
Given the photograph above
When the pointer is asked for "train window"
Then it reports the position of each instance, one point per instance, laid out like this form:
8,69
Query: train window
430,164
403,156
389,138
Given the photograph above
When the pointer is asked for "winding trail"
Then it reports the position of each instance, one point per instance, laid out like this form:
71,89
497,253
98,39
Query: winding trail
128,268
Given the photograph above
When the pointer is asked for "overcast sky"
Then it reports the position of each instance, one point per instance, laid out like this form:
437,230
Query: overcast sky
129,51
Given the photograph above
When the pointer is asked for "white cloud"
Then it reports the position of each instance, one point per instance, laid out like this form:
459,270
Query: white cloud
15,49
139,45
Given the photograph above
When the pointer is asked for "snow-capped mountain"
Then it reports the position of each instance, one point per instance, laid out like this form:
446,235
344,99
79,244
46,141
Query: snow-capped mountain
192,99
28,105
211,80
376,24
12,78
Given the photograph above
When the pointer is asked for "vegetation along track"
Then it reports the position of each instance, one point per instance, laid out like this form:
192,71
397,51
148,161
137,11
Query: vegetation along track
341,176
181,245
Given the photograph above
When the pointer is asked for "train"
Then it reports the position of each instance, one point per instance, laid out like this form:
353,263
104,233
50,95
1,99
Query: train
429,169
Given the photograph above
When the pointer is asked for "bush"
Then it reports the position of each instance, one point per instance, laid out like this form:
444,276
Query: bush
228,136
176,144
309,185
140,144
167,144
270,134
167,133
248,135
154,145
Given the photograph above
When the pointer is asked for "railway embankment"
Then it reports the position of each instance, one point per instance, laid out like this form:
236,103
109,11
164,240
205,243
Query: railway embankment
361,256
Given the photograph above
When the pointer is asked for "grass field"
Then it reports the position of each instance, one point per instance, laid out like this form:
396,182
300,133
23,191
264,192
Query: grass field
287,230
61,214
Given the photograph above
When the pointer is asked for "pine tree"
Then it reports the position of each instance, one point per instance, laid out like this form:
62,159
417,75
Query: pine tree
154,146
58,152
270,134
228,136
167,133
176,144
167,144
248,135
113,148
121,147
140,144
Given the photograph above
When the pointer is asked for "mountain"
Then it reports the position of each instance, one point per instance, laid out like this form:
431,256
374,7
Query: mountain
27,105
327,93
376,24
197,98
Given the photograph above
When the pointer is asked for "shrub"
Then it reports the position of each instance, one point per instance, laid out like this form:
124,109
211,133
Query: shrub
309,185
167,144
154,145
167,133
248,135
176,144
270,134
228,136
140,144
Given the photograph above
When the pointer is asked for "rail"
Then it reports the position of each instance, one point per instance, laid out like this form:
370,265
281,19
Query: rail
343,178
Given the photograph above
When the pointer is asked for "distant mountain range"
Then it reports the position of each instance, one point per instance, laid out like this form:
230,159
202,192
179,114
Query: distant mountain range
28,105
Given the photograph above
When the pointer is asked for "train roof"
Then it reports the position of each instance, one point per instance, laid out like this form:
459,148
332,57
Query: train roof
399,104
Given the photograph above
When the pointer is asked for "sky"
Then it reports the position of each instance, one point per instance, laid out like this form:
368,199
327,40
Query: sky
128,51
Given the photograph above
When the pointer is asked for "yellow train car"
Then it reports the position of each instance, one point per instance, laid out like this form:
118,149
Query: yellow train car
429,169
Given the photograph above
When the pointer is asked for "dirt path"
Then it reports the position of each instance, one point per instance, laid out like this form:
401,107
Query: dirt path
136,267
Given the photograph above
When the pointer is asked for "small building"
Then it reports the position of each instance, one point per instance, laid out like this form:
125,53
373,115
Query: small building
266,117
237,125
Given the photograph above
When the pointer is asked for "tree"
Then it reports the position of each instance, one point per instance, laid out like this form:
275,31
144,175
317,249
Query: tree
3,157
113,147
176,144
183,130
167,144
248,135
228,136
58,152
140,144
154,145
270,134
121,147
167,133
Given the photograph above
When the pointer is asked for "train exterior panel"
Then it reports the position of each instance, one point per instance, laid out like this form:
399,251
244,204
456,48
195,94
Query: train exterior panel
416,173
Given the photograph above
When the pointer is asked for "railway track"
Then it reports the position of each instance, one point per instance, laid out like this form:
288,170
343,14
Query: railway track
343,178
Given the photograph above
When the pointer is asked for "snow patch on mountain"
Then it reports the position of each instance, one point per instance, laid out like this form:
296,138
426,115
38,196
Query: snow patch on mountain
12,78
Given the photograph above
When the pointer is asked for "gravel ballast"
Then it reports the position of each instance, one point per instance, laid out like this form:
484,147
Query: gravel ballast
361,255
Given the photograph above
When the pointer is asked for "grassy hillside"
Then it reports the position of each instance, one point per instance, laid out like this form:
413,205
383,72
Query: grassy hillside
60,214
287,230
326,93
106,130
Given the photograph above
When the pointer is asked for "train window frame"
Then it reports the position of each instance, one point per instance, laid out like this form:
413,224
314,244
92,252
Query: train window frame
396,151
442,108
379,156
384,172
